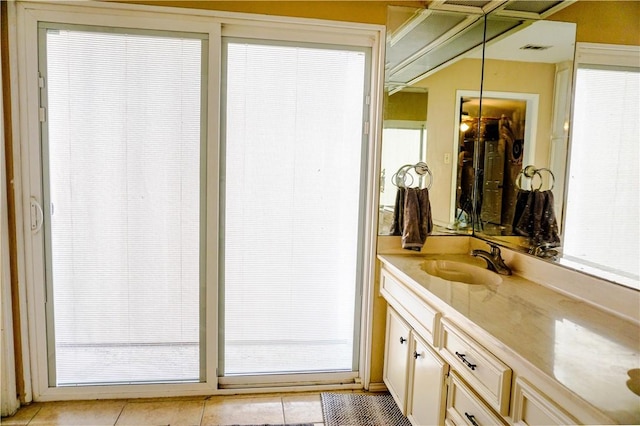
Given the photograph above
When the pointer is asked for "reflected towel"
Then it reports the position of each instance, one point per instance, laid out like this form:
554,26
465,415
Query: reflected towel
398,213
417,222
534,217
522,226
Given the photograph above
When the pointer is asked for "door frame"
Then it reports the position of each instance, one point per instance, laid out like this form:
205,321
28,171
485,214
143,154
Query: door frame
28,16
26,130
531,120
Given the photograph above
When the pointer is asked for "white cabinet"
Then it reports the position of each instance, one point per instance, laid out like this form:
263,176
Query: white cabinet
396,358
488,384
414,373
427,385
533,408
465,408
415,311
489,377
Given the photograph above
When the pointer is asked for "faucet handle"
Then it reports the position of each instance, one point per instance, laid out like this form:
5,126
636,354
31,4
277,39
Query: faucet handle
495,250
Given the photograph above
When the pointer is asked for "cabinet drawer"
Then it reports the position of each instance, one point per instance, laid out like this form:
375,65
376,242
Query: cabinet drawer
422,317
530,407
465,408
489,376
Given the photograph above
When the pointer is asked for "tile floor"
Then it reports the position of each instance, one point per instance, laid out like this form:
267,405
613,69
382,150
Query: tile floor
213,410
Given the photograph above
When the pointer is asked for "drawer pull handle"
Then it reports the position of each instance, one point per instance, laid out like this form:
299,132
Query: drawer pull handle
465,361
402,340
416,355
471,418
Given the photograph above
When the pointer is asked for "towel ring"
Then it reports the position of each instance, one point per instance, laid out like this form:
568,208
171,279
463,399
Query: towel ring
530,172
399,178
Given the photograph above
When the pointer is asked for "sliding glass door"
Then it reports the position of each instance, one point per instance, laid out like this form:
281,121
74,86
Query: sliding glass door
292,185
123,175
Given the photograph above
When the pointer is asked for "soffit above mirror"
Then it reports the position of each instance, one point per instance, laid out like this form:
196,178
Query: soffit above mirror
540,41
526,9
423,41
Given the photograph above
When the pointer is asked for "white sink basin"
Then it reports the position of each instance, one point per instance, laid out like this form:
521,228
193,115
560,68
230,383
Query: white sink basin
450,270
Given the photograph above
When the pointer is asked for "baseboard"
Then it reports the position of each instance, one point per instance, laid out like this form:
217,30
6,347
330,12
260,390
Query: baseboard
377,387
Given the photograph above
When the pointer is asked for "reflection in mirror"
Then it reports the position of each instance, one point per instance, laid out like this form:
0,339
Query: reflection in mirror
605,235
527,77
504,140
404,136
426,64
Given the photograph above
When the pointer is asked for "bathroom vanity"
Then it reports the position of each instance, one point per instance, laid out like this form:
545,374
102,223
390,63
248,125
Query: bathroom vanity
501,349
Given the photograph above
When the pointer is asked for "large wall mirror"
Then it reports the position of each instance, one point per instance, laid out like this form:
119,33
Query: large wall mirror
433,83
429,56
524,139
492,118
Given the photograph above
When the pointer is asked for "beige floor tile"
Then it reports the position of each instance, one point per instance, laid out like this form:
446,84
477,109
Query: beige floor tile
243,411
302,408
180,412
94,413
23,416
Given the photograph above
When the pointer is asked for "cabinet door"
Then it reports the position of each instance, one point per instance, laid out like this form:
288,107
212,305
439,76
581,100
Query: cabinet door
427,388
396,358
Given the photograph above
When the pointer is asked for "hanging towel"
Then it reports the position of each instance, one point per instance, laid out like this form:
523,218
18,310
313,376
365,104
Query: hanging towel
398,213
521,223
547,231
534,218
417,222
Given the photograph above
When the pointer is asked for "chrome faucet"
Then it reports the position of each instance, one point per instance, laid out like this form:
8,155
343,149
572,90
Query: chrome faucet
546,251
493,259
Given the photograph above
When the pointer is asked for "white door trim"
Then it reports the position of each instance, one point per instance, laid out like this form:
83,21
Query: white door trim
25,98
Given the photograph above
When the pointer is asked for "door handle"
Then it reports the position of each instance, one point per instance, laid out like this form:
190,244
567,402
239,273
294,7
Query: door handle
37,215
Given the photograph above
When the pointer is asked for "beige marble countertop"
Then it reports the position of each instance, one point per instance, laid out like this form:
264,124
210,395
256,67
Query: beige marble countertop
594,354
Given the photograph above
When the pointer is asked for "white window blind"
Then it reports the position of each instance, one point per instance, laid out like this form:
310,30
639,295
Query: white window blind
123,195
601,227
293,190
